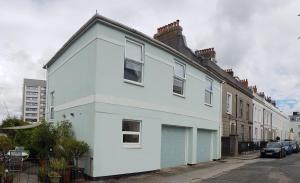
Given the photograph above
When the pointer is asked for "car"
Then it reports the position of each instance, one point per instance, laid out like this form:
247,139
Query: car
288,147
273,149
295,146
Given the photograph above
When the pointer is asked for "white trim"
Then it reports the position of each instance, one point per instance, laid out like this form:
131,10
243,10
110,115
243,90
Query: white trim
229,112
142,61
107,99
183,79
132,145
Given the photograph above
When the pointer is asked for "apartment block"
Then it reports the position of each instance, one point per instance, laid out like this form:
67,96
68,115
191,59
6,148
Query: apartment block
34,100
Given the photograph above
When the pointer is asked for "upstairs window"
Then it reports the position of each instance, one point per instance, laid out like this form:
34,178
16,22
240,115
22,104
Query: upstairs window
131,131
229,103
248,112
208,91
178,78
241,108
134,61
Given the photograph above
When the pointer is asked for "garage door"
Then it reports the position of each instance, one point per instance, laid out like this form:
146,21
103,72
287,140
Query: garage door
173,146
204,145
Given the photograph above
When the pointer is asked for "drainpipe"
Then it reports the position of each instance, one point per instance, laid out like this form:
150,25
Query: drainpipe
236,114
264,124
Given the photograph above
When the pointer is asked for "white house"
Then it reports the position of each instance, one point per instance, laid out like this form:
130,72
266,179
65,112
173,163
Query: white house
268,121
139,104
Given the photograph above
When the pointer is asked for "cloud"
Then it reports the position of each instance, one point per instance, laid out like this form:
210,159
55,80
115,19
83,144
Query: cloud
257,38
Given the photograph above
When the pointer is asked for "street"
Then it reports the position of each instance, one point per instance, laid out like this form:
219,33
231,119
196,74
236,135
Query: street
263,171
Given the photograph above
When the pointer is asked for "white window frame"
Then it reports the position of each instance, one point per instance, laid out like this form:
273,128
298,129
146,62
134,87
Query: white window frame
136,61
51,111
183,79
229,111
132,145
210,91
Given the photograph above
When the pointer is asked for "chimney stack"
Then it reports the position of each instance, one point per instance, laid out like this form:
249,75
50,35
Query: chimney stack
261,94
208,53
244,82
229,71
168,31
253,89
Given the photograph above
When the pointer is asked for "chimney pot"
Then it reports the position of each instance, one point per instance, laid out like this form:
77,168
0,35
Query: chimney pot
208,53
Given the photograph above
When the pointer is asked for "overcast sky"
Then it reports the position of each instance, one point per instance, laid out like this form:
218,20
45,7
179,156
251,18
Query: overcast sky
257,38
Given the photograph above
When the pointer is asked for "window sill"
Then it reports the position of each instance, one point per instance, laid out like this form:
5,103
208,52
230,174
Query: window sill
178,95
133,82
208,105
132,146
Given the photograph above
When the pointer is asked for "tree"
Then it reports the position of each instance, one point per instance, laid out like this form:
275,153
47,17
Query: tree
43,138
5,144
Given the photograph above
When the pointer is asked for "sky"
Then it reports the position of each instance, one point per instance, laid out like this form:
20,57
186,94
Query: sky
256,38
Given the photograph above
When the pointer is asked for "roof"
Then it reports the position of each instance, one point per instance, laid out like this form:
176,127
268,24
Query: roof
34,82
227,77
101,19
33,125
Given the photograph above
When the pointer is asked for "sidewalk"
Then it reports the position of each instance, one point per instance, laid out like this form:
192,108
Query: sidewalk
188,174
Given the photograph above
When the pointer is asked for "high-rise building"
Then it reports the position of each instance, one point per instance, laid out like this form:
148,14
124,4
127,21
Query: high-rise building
34,100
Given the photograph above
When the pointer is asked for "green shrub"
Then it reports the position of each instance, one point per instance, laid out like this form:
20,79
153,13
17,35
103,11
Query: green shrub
5,144
58,164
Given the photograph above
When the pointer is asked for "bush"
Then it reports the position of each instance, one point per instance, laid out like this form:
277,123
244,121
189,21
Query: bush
43,139
5,144
75,149
58,164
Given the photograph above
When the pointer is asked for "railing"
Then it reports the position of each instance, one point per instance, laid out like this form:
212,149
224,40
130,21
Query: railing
34,170
247,146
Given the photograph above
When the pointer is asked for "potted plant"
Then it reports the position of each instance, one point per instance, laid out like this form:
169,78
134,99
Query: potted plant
76,149
42,174
54,177
61,167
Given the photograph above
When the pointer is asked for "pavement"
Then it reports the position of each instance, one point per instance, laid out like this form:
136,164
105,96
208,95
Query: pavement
188,174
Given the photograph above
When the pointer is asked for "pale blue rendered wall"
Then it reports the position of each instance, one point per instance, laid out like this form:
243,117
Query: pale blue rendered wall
88,81
153,103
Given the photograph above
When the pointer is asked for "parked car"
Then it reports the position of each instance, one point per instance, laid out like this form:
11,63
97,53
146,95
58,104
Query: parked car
295,146
273,149
288,147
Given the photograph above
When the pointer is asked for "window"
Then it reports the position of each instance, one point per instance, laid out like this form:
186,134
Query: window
229,103
250,132
232,128
134,61
256,137
31,109
52,105
242,132
178,78
131,130
248,112
208,91
241,108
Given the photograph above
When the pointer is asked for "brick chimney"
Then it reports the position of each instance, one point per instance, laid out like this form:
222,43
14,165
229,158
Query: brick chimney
261,94
171,35
254,89
229,71
208,53
244,82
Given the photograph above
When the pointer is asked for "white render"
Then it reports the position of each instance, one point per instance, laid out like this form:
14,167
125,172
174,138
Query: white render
268,121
